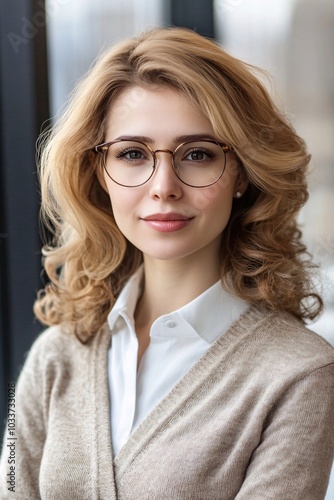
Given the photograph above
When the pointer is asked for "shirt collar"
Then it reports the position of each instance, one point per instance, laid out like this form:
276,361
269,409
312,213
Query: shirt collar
209,314
126,302
212,313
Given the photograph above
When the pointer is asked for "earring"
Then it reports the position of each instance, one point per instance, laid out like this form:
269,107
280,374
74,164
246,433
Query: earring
238,194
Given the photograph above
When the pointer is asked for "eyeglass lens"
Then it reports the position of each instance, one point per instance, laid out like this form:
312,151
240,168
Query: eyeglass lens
131,163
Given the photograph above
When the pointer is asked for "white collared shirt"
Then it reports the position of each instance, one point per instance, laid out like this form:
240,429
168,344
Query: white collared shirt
177,341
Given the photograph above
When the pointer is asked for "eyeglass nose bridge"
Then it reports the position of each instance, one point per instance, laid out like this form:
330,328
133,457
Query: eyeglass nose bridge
162,151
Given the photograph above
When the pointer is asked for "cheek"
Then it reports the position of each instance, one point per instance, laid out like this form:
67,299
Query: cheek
123,203
218,196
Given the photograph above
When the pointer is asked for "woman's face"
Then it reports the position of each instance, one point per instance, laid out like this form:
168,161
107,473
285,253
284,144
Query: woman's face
165,218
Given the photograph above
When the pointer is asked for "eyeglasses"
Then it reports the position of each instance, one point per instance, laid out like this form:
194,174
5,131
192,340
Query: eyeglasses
133,163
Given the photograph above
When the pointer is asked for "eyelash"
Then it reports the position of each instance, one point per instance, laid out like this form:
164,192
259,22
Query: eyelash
122,152
210,154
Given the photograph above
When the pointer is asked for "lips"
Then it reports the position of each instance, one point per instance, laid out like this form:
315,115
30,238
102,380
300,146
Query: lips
167,222
171,216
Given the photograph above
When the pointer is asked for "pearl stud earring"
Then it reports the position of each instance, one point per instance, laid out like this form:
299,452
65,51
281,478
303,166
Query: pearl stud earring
238,194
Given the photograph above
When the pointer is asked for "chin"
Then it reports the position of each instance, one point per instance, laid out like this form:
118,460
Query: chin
168,254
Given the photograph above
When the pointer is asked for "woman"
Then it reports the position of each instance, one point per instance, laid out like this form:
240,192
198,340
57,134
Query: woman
177,366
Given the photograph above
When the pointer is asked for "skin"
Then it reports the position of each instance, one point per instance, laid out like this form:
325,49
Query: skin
172,260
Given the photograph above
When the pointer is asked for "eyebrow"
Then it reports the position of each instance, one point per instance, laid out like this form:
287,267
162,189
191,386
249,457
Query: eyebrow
176,140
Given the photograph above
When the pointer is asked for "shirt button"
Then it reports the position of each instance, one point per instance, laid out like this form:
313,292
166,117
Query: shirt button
171,324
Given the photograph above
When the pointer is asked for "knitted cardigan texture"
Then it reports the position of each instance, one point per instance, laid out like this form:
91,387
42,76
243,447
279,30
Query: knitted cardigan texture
252,419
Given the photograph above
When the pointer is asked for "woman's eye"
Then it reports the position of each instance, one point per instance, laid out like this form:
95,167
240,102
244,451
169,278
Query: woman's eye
197,156
133,155
130,155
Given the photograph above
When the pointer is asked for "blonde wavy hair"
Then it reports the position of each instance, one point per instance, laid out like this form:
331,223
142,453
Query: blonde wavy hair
263,260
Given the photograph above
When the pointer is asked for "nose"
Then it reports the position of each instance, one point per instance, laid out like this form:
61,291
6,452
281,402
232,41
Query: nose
165,184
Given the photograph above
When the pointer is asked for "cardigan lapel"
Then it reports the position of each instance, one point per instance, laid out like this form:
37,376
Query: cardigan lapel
102,455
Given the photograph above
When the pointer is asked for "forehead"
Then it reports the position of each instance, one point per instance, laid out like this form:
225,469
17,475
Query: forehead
155,112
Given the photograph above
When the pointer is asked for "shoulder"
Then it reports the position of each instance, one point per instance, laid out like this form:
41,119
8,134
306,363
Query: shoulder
280,342
56,346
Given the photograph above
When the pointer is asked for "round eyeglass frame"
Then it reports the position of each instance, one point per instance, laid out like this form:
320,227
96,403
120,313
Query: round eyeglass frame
104,147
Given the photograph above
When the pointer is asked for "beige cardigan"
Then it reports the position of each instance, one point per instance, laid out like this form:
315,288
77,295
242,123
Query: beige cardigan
253,419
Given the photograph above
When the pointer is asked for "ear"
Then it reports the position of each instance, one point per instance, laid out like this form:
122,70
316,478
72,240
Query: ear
241,183
99,171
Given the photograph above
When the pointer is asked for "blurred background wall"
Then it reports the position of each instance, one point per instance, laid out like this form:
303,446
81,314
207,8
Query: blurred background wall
47,46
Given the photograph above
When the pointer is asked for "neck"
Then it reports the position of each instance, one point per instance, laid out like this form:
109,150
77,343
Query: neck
170,285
